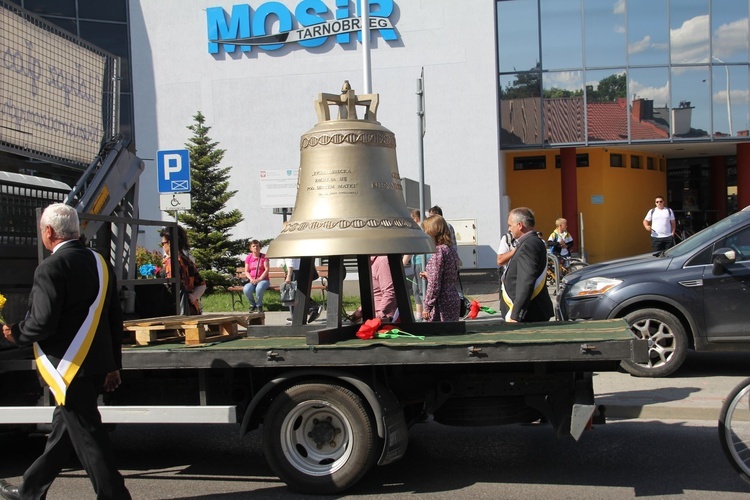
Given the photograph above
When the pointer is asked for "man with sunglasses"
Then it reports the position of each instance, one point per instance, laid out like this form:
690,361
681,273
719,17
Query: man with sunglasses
660,222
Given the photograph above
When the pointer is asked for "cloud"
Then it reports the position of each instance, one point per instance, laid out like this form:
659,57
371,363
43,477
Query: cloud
645,44
690,41
737,96
640,46
619,7
730,37
567,80
660,95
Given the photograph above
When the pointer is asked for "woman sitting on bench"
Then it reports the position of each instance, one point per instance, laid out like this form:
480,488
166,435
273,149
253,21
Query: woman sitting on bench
256,270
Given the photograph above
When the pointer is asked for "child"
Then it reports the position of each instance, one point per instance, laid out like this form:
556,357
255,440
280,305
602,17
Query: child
560,241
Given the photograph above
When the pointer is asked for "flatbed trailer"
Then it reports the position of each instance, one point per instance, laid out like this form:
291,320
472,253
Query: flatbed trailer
331,406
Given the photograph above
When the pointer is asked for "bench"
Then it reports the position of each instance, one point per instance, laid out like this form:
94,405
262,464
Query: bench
276,275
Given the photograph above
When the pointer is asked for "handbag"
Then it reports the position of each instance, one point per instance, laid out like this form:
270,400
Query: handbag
288,290
464,307
465,304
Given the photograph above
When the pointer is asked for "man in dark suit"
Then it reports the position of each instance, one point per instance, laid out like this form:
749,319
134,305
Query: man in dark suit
75,325
524,289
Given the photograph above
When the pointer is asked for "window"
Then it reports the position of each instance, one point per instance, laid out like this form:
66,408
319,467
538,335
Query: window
582,160
740,242
530,163
616,160
635,161
521,108
650,163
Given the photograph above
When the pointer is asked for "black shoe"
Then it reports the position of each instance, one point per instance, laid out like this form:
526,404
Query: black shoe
253,309
8,491
315,313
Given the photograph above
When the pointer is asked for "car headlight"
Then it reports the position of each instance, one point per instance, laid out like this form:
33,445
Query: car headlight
593,286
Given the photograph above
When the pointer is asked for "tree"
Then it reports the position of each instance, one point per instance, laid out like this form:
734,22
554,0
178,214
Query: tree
208,222
609,89
526,84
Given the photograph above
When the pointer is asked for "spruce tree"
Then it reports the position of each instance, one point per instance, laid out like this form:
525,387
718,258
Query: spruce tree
208,222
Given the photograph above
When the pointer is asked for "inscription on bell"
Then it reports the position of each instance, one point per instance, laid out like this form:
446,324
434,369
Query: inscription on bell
332,182
386,185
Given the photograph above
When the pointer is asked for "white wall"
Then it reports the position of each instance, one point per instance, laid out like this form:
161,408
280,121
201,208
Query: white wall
258,104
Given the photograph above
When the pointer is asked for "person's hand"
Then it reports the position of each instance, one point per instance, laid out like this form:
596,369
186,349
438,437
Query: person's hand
7,334
425,315
112,381
423,275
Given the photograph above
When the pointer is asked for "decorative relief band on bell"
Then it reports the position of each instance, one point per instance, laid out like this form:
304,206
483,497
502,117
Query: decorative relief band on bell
370,223
364,137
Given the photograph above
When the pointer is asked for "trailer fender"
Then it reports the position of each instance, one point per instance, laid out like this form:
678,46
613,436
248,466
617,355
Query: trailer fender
382,402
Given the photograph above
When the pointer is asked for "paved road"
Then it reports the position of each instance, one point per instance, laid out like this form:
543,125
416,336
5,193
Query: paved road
624,459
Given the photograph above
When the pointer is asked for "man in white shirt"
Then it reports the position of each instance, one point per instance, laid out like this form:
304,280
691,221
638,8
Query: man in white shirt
660,222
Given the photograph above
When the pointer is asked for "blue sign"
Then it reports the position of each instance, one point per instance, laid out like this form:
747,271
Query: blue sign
310,25
173,170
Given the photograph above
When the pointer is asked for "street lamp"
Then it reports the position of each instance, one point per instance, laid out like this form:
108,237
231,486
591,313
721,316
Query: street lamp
729,99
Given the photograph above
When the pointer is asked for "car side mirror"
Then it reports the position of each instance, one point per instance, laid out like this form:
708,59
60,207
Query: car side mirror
721,258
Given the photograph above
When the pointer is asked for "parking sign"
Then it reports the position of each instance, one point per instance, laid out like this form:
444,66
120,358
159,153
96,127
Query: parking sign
173,170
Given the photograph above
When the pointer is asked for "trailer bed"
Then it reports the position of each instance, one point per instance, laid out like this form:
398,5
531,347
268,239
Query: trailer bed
482,342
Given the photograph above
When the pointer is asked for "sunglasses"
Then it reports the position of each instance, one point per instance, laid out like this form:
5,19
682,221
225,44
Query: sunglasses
659,201
163,243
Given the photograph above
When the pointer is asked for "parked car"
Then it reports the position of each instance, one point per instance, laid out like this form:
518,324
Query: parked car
696,295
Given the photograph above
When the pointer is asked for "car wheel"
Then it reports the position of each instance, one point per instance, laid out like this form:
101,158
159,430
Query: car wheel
667,342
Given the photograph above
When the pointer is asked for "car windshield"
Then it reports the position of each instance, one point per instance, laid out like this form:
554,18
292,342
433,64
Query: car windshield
706,235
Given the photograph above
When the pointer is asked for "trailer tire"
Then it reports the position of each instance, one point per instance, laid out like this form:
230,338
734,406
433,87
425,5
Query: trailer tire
320,438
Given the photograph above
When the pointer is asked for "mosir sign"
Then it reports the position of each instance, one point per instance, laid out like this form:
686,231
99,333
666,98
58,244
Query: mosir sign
312,24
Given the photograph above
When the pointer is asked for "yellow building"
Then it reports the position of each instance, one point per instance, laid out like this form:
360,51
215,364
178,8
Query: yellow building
615,189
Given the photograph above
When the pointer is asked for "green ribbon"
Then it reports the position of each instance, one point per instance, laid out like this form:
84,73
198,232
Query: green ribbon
396,333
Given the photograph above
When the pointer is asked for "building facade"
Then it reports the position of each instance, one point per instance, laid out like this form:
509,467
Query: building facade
629,98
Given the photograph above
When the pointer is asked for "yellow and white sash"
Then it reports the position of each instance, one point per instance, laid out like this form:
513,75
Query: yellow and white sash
539,284
60,378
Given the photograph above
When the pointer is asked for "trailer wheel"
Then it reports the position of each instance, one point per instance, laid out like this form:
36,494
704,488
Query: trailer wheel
319,438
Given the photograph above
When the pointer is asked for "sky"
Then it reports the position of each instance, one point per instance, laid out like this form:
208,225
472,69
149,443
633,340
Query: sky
644,34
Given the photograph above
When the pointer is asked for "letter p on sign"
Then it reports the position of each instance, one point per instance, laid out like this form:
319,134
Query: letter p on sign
173,170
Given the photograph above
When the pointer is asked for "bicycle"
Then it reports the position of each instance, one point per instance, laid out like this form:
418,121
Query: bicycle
734,428
567,266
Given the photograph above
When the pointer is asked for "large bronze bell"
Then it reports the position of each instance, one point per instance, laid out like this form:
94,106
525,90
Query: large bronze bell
349,194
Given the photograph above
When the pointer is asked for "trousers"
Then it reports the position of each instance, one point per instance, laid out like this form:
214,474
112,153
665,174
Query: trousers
259,289
77,426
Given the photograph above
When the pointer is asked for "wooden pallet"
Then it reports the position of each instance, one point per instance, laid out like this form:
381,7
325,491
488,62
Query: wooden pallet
193,329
